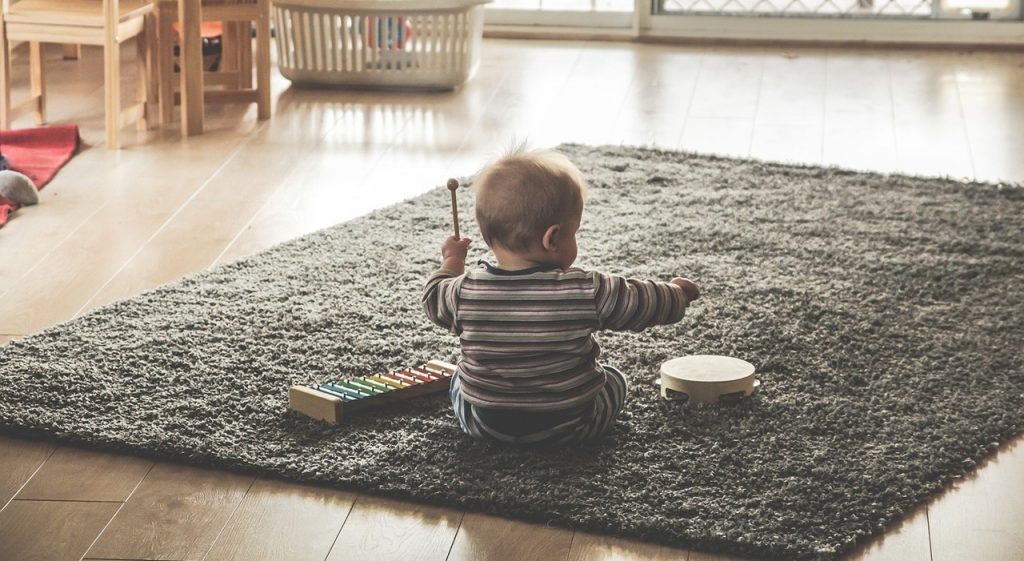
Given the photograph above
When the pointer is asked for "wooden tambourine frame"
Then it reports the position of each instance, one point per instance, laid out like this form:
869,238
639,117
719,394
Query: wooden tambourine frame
707,379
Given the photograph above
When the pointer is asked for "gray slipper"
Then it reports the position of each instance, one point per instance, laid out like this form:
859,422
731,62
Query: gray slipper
18,188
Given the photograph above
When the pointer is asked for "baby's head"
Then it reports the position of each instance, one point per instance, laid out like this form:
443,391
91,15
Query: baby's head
529,205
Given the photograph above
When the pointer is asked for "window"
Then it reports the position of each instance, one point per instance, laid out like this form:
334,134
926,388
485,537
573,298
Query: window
967,9
909,21
565,13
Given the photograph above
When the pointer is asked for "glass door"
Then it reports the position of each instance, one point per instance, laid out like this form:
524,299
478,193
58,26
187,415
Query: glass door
862,21
563,13
921,9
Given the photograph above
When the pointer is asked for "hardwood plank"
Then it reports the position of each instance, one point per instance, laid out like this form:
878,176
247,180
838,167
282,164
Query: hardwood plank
176,513
655,114
931,136
730,137
792,89
654,111
531,99
216,214
859,110
798,143
591,547
994,133
483,537
71,474
864,141
61,210
729,84
703,556
280,521
4,339
51,530
979,71
908,540
383,530
980,518
320,203
528,84
127,209
19,460
994,154
858,81
571,114
905,541
193,239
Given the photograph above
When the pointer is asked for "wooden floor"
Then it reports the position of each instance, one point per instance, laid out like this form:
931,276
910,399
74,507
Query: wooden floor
113,224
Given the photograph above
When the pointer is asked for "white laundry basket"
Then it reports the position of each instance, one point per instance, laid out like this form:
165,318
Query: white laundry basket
391,43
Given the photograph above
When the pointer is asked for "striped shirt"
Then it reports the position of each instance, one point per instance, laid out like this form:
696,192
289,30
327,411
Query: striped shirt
527,336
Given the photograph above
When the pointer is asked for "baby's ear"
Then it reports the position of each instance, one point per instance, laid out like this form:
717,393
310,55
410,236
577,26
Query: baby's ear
550,235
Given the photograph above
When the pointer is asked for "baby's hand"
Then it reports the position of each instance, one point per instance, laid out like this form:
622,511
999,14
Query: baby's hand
455,249
689,287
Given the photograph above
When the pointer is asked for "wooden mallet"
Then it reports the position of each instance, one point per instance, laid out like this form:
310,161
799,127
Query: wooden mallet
453,185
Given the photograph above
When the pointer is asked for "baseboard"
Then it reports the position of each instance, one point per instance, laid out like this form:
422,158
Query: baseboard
765,31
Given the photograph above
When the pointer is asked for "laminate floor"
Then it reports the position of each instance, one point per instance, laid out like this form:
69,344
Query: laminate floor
113,224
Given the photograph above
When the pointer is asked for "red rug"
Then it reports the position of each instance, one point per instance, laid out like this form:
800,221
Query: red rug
38,153
7,206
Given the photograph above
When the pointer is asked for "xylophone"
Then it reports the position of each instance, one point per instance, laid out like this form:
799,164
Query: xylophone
330,401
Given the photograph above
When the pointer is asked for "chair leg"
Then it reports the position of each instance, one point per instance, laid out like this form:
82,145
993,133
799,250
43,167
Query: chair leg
37,80
190,15
244,35
112,90
5,77
145,68
153,86
165,60
229,50
72,51
263,60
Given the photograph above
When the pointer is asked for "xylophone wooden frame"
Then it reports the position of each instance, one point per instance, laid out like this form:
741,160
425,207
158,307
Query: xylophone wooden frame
330,401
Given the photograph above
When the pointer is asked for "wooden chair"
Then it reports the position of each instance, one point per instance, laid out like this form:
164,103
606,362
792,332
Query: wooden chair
235,75
107,23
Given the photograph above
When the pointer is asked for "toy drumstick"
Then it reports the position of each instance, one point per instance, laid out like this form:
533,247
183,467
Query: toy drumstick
453,185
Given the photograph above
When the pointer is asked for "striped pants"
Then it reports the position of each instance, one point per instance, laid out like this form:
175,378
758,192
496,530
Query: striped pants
584,424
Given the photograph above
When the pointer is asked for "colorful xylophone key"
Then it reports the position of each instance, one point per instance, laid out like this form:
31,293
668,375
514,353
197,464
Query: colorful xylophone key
331,400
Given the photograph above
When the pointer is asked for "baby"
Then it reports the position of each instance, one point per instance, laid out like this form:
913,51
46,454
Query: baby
529,372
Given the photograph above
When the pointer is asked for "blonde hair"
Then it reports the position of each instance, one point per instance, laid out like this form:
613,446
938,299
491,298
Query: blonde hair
524,192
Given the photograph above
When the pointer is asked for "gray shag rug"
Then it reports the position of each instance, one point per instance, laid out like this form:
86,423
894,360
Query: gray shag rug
884,314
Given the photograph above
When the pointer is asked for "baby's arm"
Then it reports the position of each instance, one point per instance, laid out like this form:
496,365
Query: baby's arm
689,287
442,285
634,304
